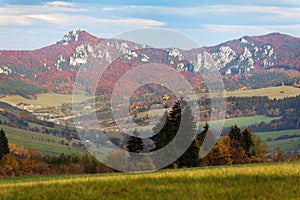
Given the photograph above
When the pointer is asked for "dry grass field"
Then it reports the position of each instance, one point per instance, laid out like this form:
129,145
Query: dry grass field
256,181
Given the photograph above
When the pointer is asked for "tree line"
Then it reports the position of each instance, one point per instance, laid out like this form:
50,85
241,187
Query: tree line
17,161
254,81
237,147
240,146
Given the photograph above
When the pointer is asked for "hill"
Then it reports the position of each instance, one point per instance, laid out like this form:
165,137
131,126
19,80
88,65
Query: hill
259,181
46,144
53,68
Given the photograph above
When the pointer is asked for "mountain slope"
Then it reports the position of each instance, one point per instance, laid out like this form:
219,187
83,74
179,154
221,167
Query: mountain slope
249,54
54,67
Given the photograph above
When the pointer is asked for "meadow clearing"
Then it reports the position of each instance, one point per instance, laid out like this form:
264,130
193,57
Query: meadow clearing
244,122
39,141
278,92
53,99
46,144
283,144
44,100
254,181
247,121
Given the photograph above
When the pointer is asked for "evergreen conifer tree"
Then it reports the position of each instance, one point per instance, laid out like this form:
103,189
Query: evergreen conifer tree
4,149
172,124
135,144
247,142
201,136
235,133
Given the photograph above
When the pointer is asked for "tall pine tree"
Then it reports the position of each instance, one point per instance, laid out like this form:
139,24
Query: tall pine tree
201,136
135,144
250,142
4,149
162,132
210,140
235,133
247,142
173,122
190,158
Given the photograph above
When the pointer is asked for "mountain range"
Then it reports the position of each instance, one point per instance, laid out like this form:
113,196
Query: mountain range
53,68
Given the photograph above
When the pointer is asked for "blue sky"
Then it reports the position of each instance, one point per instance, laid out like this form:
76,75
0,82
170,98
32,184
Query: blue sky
33,24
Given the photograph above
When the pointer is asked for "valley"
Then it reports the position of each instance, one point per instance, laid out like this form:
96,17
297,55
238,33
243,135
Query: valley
261,86
149,100
58,144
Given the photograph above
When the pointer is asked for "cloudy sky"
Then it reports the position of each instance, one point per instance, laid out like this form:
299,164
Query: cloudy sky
33,24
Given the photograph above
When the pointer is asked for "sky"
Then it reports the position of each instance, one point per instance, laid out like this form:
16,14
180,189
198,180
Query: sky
31,24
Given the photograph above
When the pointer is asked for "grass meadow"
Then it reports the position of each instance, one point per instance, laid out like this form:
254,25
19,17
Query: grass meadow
54,100
247,121
275,134
44,100
243,122
255,181
284,144
39,141
278,92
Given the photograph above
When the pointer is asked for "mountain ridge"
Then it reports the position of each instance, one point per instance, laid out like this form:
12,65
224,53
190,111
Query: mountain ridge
55,66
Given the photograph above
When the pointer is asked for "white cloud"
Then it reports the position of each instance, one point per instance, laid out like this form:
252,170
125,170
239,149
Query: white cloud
60,4
20,10
64,14
279,11
14,20
224,28
208,24
57,11
59,19
67,20
285,3
136,22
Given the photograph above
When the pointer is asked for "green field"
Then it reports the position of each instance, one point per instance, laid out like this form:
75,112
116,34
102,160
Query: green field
3,118
244,121
272,92
44,100
38,141
275,134
247,121
260,181
285,144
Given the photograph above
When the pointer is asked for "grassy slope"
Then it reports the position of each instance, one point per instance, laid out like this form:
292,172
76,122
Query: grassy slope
37,141
244,121
3,118
275,134
286,144
261,181
44,100
271,92
53,99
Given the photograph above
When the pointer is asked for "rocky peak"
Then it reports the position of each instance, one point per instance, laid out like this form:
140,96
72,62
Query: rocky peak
70,37
77,35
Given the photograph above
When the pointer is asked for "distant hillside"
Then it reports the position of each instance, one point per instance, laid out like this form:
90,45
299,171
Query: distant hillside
53,68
